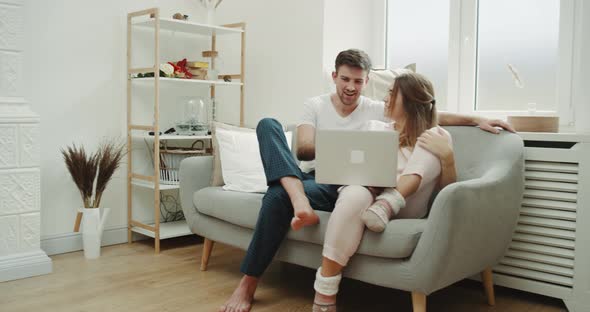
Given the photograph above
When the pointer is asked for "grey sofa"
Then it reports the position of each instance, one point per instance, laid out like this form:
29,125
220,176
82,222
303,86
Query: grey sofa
467,231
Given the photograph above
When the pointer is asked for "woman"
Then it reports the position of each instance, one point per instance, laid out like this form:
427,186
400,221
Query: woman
425,162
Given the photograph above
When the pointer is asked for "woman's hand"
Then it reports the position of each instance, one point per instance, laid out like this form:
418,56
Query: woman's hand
438,142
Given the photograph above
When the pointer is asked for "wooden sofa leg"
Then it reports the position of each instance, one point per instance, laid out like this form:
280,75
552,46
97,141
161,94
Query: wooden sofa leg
419,301
488,284
207,247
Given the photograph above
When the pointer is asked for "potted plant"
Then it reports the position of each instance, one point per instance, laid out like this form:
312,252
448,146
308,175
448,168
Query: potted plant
91,173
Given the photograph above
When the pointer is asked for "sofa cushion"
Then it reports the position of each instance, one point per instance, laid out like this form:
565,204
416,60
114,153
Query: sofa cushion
237,208
217,177
397,241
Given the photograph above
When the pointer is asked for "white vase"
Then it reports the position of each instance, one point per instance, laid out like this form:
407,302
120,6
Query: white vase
211,16
92,228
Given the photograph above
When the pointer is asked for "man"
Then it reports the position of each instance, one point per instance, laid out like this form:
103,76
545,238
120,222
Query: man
292,192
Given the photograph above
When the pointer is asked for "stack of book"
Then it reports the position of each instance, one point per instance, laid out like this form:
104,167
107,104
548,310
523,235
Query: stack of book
198,69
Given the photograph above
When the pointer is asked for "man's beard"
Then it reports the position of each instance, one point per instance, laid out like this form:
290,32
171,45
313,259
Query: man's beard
347,99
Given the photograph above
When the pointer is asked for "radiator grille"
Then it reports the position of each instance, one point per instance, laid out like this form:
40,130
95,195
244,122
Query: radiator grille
542,248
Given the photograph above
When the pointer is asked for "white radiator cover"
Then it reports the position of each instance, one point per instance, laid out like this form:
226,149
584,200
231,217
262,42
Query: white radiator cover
550,250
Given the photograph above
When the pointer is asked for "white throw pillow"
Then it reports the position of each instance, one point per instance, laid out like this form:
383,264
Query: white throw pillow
241,165
381,81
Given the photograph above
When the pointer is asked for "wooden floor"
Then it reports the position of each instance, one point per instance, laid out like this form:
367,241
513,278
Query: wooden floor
132,278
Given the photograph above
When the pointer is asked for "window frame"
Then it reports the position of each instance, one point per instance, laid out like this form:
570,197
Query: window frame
463,61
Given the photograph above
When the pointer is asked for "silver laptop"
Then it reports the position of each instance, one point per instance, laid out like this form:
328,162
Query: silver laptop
354,157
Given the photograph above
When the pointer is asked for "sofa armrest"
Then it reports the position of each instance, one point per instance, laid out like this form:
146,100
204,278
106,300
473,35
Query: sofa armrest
195,174
470,226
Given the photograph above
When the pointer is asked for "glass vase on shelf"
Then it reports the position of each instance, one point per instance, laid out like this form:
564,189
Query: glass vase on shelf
194,119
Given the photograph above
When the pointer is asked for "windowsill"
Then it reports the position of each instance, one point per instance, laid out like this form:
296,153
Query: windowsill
566,133
556,136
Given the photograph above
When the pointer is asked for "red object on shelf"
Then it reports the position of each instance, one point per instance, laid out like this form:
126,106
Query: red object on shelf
180,69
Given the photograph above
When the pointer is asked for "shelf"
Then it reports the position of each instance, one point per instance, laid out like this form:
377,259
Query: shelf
169,137
189,27
150,185
194,81
167,229
139,21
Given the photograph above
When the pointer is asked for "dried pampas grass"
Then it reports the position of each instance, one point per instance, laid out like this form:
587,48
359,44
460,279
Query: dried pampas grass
92,172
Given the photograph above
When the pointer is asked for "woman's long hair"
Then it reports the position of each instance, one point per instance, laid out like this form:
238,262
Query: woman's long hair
418,103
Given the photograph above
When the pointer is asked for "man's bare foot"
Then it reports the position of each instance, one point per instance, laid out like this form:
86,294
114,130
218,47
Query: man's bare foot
304,214
323,303
241,299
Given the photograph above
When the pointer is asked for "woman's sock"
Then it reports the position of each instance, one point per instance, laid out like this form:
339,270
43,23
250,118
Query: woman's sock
388,204
325,286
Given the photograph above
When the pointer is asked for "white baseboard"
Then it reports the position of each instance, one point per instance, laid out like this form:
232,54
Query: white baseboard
23,265
70,242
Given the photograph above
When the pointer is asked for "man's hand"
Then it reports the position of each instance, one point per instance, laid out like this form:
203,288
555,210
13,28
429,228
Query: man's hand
490,125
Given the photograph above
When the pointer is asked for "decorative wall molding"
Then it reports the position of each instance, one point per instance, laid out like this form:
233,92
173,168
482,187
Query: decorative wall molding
11,26
14,110
8,234
20,191
11,70
8,147
20,183
30,234
29,153
22,265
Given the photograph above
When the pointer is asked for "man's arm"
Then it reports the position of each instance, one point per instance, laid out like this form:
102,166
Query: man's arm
448,172
450,119
306,142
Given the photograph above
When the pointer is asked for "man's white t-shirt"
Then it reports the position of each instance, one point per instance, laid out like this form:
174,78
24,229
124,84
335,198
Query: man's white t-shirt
320,113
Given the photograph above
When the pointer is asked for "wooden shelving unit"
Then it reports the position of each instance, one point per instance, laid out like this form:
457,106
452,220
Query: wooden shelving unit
163,230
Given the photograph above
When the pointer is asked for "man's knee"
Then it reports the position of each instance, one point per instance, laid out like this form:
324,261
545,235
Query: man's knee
266,124
275,192
314,190
276,202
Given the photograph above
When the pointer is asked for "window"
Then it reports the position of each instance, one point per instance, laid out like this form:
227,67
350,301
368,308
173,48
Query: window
423,41
517,55
490,57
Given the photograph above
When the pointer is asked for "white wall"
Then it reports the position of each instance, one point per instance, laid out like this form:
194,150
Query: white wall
354,24
283,54
75,77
